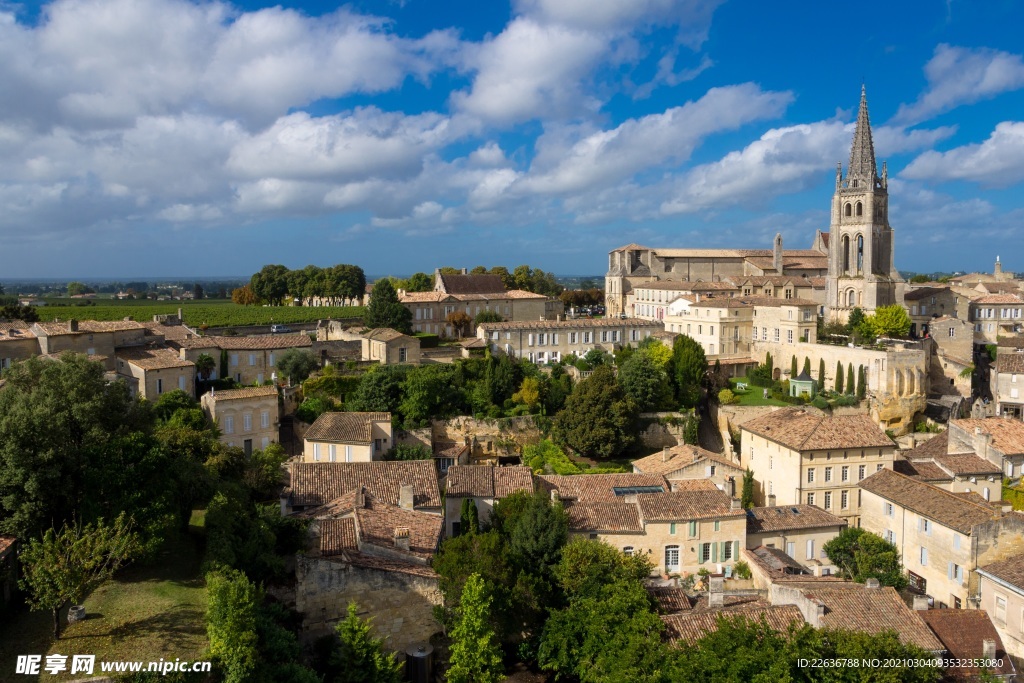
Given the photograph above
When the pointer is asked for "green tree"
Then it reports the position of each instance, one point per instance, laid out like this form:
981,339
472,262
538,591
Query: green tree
360,657
231,617
460,322
747,496
689,367
11,310
598,356
171,402
475,652
855,321
529,393
65,566
919,279
469,521
862,555
379,390
851,383
430,391
643,381
890,321
244,296
807,367
769,363
270,285
486,317
656,351
821,374
297,365
484,554
861,382
792,366
77,288
384,309
419,282
598,419
205,365
839,377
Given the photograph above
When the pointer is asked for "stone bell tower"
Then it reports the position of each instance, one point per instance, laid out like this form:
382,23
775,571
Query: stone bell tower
861,273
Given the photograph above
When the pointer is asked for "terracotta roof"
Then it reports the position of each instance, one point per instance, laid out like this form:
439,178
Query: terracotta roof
1010,570
337,536
803,430
592,488
937,445
854,606
999,299
787,517
994,287
344,426
243,393
51,329
1007,434
16,329
437,297
424,297
153,358
6,543
961,464
377,523
384,334
633,246
570,324
603,516
1012,363
176,333
670,600
679,457
701,484
776,563
484,481
263,341
684,286
925,470
923,292
470,284
389,565
753,301
963,632
689,627
687,505
929,501
317,483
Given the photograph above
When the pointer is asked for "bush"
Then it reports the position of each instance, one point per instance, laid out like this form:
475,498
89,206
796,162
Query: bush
819,402
427,340
845,400
312,408
726,397
404,451
741,570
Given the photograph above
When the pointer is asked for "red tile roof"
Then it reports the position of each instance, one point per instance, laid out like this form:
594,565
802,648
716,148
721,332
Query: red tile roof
1010,570
937,504
679,457
484,481
243,393
790,517
591,488
689,627
345,426
963,632
1007,434
604,516
803,430
153,358
687,505
266,342
317,483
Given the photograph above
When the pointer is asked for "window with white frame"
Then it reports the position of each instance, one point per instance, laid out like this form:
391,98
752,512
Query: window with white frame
844,500
229,424
860,472
332,452
789,336
705,552
810,499
252,359
828,474
1000,609
828,500
810,475
889,510
810,549
671,558
247,422
348,454
844,473
316,452
628,551
265,419
924,556
890,536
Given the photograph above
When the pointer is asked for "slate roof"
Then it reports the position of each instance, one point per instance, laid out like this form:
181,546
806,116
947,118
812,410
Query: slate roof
679,457
802,430
153,358
790,517
603,516
254,343
592,488
1007,434
484,481
937,504
345,426
963,632
1010,570
686,505
689,627
243,393
471,284
317,483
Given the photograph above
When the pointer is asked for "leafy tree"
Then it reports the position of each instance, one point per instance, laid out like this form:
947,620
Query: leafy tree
890,321
13,311
379,390
690,366
475,652
418,282
197,291
384,309
529,393
170,402
643,381
656,351
839,377
231,617
77,288
311,408
469,521
205,365
297,365
861,382
506,277
409,452
64,566
727,397
747,496
536,530
430,391
486,317
359,656
623,354
484,554
244,296
270,285
598,419
855,321
500,378
264,470
770,364
460,322
919,279
851,383
861,555
598,356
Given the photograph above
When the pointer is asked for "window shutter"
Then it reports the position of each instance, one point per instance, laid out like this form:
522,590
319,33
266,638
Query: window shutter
707,471
693,528
714,552
529,340
700,553
735,551
949,570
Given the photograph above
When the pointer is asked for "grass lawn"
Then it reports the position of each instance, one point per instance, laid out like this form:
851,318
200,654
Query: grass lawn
752,396
150,611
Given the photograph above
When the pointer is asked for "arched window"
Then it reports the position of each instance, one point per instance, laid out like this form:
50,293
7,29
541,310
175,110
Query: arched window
855,183
628,551
846,253
850,298
860,209
860,253
849,210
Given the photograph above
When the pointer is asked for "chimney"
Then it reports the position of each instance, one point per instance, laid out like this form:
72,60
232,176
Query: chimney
771,500
734,504
696,455
819,614
402,538
920,603
465,272
988,648
665,457
555,496
716,591
998,273
180,316
558,317
778,254
72,325
873,584
405,497
360,498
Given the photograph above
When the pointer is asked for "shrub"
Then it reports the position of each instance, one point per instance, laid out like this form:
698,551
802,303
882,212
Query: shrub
741,570
405,451
312,408
427,340
819,402
726,397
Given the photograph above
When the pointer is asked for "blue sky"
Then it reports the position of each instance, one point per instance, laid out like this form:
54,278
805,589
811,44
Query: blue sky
168,137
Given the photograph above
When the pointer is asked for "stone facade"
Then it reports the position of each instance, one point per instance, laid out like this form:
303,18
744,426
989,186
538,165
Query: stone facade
247,418
727,327
430,310
389,347
1004,603
552,340
1007,383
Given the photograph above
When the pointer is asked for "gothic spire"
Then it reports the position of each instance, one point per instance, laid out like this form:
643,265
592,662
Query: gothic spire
862,153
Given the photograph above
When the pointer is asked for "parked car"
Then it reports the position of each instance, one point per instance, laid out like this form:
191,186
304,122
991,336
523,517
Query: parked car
279,329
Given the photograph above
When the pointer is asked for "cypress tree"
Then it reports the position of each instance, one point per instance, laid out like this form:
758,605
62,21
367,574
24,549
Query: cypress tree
807,366
770,364
839,377
850,382
861,383
792,366
821,375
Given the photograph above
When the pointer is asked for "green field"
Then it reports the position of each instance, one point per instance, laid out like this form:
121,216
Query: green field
214,314
752,396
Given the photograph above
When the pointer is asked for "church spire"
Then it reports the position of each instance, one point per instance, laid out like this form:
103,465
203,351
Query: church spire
862,153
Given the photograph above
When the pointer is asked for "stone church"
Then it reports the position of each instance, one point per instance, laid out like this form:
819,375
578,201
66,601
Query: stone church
854,257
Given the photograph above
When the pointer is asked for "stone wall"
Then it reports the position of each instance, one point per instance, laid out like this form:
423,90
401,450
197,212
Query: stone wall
488,438
400,605
658,430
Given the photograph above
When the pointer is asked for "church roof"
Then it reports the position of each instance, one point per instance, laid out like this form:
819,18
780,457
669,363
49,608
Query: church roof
862,153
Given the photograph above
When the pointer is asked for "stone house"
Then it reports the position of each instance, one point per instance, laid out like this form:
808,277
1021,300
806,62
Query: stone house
996,315
483,484
999,440
430,310
693,462
1007,383
942,537
248,418
90,337
410,484
1001,585
652,299
247,360
152,371
924,304
348,437
17,342
541,341
953,468
952,353
801,456
968,635
801,531
390,347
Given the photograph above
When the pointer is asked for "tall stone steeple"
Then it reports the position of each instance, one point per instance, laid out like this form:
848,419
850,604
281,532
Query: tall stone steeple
862,154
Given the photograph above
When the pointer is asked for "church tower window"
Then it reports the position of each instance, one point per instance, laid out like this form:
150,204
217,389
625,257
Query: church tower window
860,207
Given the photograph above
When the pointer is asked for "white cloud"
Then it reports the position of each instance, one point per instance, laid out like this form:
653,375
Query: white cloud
958,75
996,162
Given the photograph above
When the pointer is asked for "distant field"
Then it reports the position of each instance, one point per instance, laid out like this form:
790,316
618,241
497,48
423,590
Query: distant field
216,314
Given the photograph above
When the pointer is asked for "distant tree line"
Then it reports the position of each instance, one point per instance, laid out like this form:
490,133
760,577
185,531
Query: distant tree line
338,285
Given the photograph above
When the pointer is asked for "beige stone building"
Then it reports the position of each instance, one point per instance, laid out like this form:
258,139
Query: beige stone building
652,299
348,437
247,360
17,342
800,456
247,418
1007,383
952,353
997,315
98,339
430,310
952,467
925,304
1001,585
801,531
942,537
999,440
390,347
551,340
485,485
685,462
152,371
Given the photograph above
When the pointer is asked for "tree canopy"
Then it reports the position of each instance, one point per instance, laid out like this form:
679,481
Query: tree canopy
599,417
862,555
690,365
297,365
384,310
